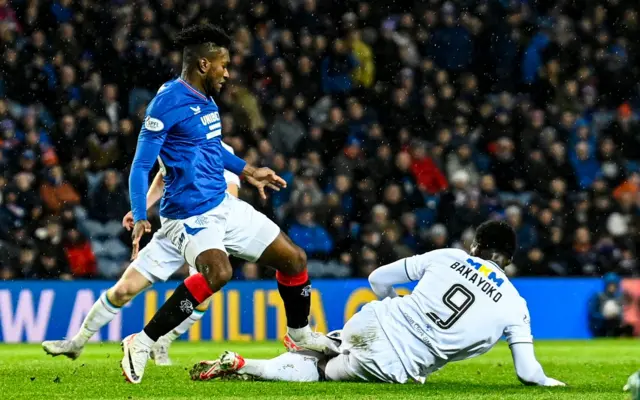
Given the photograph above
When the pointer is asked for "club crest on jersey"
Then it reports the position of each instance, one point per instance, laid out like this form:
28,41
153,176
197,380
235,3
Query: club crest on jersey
210,118
202,220
153,124
186,306
486,271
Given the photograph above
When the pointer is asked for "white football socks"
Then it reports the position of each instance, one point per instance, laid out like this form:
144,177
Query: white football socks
184,326
144,340
288,367
101,313
300,333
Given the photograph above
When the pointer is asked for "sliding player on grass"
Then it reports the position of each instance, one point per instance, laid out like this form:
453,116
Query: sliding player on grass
461,306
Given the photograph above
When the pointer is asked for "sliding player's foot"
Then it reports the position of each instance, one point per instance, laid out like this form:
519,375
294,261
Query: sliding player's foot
227,364
134,359
313,341
67,348
160,352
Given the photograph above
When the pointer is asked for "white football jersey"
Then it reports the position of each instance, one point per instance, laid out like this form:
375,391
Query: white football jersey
229,176
460,307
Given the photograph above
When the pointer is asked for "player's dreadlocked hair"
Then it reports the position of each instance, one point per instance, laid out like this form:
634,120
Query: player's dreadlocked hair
495,237
200,41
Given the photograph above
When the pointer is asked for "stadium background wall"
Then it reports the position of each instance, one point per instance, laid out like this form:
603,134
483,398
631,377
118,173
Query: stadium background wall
252,311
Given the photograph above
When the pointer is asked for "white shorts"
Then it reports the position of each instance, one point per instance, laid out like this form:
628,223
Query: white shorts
367,354
233,227
159,259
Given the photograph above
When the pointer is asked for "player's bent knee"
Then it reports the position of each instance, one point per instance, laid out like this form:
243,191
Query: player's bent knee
121,293
296,263
218,275
215,266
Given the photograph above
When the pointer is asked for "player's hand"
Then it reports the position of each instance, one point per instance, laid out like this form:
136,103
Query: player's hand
553,382
266,177
127,221
139,228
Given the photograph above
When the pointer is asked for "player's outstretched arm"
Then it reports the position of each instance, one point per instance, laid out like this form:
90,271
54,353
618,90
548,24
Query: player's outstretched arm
258,177
518,335
528,368
146,154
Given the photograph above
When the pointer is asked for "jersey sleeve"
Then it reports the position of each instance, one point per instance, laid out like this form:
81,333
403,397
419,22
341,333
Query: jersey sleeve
416,266
160,118
519,331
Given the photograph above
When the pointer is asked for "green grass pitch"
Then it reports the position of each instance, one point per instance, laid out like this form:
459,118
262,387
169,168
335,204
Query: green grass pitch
593,370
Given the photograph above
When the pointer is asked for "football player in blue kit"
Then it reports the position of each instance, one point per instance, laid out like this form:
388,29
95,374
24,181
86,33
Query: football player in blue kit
182,131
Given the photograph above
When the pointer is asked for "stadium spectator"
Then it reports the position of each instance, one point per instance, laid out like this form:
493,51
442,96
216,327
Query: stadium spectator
313,238
56,192
605,310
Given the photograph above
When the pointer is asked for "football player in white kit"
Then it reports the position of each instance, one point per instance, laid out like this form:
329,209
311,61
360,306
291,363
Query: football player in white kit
461,306
156,262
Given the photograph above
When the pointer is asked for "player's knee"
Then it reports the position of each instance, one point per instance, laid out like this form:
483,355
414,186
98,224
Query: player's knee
225,272
215,267
219,275
121,293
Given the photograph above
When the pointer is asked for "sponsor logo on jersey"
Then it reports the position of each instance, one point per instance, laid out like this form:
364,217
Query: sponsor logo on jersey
153,124
486,271
196,110
480,279
210,118
192,231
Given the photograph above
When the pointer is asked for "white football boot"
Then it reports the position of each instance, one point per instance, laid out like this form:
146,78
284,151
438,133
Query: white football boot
67,348
134,359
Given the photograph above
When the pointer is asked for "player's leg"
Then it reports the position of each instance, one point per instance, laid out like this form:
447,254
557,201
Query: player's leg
367,354
294,285
215,271
101,313
160,351
200,240
192,292
254,237
156,262
288,367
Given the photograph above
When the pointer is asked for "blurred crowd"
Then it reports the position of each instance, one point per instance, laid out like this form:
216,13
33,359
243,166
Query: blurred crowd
398,125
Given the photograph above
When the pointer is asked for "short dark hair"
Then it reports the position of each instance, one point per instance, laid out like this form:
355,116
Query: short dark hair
202,34
201,41
498,236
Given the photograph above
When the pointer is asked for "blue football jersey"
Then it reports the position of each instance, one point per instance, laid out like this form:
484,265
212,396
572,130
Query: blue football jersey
187,125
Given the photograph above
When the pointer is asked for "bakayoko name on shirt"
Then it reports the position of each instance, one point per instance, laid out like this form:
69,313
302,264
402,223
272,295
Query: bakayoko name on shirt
486,284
